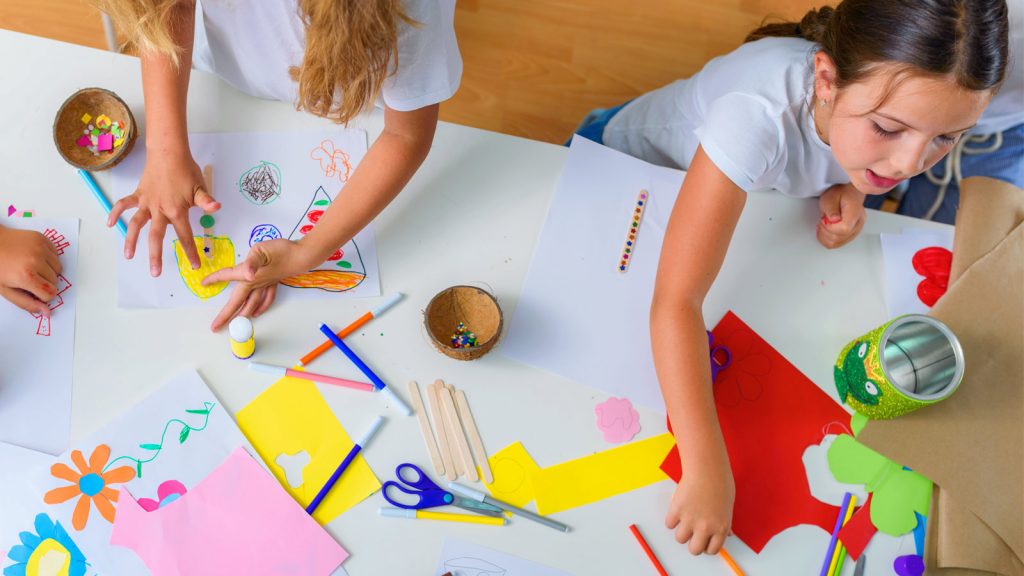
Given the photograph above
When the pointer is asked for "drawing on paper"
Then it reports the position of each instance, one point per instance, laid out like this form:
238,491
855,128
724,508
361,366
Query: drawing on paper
91,484
334,162
167,492
262,233
183,435
261,184
43,322
934,263
473,566
49,550
343,270
223,257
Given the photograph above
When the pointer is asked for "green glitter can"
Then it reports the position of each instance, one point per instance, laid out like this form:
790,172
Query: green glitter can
907,363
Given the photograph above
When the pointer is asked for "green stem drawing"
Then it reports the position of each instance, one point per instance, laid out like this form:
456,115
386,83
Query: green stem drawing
186,429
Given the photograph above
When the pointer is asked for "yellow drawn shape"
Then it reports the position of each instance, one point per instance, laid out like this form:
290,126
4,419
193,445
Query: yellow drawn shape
513,469
224,257
602,475
291,416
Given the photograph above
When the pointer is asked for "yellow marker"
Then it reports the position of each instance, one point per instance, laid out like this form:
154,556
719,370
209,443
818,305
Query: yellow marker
243,339
425,515
840,549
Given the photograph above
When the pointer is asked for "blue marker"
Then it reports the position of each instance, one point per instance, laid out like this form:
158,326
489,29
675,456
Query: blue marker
377,382
344,464
95,189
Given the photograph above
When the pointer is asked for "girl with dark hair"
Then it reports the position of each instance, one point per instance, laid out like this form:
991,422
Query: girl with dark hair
848,102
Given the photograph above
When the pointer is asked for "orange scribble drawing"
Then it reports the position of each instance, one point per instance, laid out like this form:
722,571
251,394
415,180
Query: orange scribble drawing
329,280
333,161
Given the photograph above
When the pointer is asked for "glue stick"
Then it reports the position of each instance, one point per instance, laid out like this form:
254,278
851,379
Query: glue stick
243,339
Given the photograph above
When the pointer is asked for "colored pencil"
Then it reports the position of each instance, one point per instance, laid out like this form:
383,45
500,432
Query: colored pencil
732,563
831,550
647,550
326,345
102,198
840,550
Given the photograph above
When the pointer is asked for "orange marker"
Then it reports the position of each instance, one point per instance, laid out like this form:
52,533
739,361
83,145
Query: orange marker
388,303
732,563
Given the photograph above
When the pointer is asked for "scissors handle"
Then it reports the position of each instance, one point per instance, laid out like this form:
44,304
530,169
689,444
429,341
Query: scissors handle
720,356
423,498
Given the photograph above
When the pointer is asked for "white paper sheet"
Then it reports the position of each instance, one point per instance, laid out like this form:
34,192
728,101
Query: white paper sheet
35,369
17,498
901,280
463,558
150,438
268,184
577,315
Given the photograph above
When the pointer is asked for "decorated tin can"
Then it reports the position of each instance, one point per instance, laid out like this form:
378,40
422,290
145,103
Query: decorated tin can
907,363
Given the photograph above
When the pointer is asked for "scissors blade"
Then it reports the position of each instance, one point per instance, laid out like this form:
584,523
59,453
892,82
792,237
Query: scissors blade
478,507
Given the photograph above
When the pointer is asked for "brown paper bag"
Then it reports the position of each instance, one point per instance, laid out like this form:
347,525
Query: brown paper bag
972,445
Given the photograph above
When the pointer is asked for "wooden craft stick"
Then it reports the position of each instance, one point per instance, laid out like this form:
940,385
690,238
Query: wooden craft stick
428,435
474,436
442,439
457,437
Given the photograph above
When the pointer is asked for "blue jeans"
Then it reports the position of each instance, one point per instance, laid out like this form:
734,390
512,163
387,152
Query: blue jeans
1005,163
592,126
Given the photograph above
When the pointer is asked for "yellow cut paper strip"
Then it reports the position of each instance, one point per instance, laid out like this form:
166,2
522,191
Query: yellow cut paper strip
291,416
602,475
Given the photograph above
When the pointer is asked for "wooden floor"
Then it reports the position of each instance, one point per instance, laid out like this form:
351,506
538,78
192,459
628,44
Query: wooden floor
533,68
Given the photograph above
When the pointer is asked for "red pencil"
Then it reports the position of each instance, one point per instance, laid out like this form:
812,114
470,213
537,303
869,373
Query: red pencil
647,550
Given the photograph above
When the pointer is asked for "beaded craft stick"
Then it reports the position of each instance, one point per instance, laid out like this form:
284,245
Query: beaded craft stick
634,227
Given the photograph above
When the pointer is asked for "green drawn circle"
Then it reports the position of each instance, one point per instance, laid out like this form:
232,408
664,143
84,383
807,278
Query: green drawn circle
265,170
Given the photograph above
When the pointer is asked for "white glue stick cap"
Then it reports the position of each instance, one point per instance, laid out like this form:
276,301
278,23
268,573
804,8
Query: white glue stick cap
240,329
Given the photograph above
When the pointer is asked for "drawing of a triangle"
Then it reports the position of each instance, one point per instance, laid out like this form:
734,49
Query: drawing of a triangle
343,270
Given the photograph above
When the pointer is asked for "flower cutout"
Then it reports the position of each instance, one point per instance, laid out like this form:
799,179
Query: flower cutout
48,551
166,493
742,379
91,484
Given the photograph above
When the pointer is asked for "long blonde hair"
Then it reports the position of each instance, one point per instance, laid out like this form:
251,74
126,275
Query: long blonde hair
351,47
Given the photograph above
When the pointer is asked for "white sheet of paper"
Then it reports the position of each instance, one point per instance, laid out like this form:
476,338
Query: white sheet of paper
151,432
35,369
463,558
574,280
18,499
268,184
901,279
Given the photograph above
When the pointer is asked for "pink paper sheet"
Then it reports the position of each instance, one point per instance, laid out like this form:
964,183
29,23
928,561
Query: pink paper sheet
238,520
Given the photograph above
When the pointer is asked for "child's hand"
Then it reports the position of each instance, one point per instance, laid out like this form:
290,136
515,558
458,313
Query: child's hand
701,508
266,264
842,215
28,277
170,185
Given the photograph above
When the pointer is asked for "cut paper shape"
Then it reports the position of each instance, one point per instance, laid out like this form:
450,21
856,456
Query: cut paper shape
334,162
223,257
858,532
176,426
236,521
291,416
919,533
261,184
617,420
598,476
48,551
43,327
769,413
91,484
292,465
934,263
819,478
166,493
897,492
464,558
327,276
262,233
513,471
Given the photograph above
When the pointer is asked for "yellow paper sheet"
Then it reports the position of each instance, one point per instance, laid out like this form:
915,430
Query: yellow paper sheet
513,471
602,475
292,416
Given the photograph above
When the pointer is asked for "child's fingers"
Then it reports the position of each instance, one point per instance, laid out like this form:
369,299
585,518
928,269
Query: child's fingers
25,301
716,543
131,239
269,293
204,200
157,229
230,310
131,201
52,260
244,272
251,303
46,278
830,205
672,517
684,532
184,231
699,542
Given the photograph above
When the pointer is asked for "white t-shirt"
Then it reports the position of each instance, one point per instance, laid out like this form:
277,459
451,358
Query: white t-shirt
252,44
749,111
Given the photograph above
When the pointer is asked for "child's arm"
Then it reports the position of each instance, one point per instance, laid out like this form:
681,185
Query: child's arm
388,166
696,241
842,215
171,182
28,277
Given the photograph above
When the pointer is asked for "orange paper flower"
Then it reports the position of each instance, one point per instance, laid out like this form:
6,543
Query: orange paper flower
90,484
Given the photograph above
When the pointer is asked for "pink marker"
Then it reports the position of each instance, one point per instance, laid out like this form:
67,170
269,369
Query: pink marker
282,371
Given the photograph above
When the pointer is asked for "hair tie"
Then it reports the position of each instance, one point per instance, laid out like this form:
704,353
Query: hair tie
799,32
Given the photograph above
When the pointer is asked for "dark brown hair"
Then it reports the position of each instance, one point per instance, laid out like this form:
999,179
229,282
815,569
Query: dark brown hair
965,39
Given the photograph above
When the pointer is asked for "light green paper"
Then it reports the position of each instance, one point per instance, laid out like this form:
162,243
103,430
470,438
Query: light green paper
857,423
896,493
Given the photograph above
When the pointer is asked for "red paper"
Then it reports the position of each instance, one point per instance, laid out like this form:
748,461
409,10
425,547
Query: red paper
770,413
858,531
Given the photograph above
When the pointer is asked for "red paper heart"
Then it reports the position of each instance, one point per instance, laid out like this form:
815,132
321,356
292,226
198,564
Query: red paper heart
934,264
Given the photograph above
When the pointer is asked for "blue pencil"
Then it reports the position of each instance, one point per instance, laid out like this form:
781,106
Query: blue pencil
835,534
344,464
107,207
377,382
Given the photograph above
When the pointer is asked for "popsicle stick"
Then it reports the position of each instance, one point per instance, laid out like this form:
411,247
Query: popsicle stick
455,432
441,390
442,439
473,432
428,435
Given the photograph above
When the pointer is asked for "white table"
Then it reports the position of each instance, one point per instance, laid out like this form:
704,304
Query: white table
491,188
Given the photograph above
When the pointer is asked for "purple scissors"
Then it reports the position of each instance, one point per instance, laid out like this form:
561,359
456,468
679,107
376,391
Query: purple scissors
720,358
428,494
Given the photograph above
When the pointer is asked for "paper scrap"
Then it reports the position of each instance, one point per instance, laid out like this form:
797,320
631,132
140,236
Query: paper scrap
904,274
603,475
464,558
617,420
290,417
513,470
238,520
